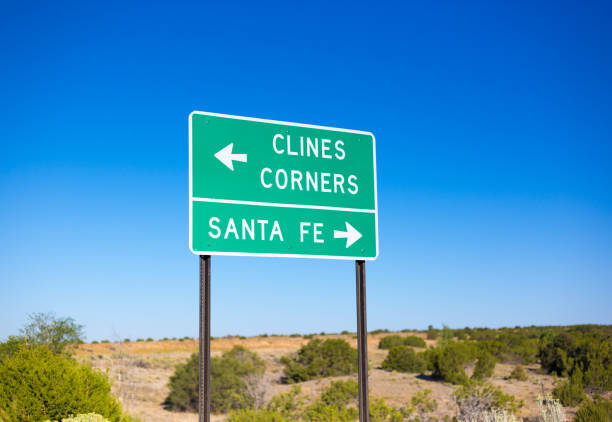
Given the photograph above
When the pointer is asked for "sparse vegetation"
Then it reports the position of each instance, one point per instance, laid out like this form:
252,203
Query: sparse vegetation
518,373
485,365
389,342
320,358
598,410
229,384
475,399
404,359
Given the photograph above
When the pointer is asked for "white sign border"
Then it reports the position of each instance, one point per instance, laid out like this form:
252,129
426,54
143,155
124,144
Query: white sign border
278,255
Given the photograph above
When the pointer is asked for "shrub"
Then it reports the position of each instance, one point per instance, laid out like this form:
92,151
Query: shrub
56,333
38,384
414,341
319,359
599,410
421,404
126,340
570,392
475,399
333,404
485,365
381,412
228,374
404,359
493,416
149,339
388,342
287,404
550,410
11,346
448,362
518,373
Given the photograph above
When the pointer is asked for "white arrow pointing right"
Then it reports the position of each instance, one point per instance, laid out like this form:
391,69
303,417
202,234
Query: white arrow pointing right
351,234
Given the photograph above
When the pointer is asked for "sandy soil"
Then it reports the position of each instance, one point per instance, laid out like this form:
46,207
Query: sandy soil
140,372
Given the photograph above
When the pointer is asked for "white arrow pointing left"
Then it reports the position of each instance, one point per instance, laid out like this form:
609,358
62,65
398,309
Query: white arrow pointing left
351,234
227,158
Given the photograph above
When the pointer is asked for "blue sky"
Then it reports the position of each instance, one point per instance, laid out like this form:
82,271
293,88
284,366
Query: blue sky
493,123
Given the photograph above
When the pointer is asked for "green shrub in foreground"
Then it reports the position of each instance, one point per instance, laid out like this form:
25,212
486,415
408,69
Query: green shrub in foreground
318,359
404,359
570,392
227,382
62,387
594,411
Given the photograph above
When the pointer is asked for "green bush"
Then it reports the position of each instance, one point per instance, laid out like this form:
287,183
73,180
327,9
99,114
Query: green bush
319,359
448,362
599,410
404,359
228,382
414,341
38,384
485,365
518,373
570,392
389,342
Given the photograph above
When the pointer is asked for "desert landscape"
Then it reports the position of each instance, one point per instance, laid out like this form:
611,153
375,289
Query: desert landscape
140,371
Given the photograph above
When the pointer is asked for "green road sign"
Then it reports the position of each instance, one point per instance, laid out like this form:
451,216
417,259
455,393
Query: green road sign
267,188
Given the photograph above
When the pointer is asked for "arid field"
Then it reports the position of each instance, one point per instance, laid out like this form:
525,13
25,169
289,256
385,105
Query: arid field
140,372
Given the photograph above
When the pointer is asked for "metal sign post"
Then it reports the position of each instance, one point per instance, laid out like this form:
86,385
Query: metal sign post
362,342
204,390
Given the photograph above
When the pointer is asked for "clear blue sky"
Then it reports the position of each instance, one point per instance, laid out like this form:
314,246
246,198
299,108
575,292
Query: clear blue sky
494,134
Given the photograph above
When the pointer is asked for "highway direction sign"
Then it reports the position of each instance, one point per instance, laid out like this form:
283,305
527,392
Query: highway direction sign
268,188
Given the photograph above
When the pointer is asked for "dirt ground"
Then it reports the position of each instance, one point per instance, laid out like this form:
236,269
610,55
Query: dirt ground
140,372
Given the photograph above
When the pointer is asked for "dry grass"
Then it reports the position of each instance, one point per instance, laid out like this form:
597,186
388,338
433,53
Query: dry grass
140,373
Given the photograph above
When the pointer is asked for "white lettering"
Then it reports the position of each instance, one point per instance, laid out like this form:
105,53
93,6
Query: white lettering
216,228
338,183
325,182
352,179
231,228
289,146
296,178
284,184
277,136
265,185
339,144
303,230
250,229
325,147
276,231
317,232
263,223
